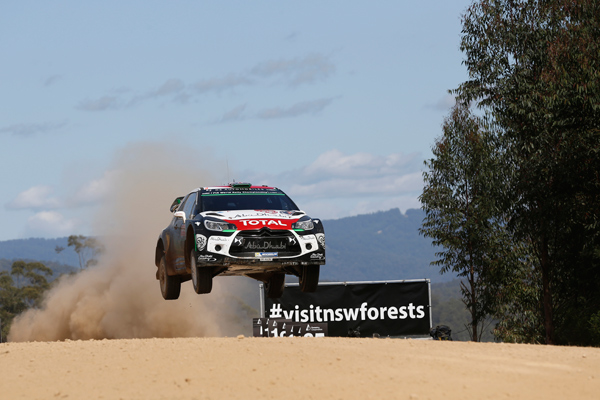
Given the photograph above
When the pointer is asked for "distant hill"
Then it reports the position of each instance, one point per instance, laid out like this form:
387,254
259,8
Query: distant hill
380,246
39,250
57,268
384,245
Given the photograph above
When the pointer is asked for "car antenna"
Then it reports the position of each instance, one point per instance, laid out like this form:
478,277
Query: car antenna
227,163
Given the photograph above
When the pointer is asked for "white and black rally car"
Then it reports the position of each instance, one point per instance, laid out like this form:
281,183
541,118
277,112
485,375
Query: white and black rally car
240,229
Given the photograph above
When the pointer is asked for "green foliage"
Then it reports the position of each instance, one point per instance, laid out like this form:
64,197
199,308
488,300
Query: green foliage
87,248
534,66
22,292
57,268
447,308
460,198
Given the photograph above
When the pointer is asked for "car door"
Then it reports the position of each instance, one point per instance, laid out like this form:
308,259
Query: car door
180,228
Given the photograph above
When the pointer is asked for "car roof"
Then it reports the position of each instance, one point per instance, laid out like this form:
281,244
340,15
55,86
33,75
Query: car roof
237,188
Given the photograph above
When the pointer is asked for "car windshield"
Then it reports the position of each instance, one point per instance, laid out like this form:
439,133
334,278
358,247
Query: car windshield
247,201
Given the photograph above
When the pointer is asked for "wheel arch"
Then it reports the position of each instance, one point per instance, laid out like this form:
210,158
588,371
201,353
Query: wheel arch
189,245
160,251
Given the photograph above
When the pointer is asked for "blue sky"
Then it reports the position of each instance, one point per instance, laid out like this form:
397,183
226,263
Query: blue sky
337,103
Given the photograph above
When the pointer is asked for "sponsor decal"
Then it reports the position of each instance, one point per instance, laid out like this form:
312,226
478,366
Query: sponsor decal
255,214
200,242
206,258
317,256
308,237
180,263
269,327
265,245
263,222
291,212
219,239
266,254
321,238
216,191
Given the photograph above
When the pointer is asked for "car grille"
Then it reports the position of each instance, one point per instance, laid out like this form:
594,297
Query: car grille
247,243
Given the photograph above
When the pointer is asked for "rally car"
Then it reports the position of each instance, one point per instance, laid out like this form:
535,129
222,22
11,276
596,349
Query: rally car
239,229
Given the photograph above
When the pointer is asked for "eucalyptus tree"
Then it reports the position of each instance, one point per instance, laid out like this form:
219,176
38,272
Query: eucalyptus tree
26,292
460,198
87,249
534,65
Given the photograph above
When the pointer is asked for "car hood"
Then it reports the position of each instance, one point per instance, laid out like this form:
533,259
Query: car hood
257,219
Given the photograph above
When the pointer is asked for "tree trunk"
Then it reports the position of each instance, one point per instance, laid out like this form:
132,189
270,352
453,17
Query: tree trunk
474,321
547,300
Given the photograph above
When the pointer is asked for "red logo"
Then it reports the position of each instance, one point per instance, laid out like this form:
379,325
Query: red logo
247,224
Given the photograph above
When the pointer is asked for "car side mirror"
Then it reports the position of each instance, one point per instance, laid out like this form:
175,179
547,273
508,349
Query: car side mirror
180,214
175,204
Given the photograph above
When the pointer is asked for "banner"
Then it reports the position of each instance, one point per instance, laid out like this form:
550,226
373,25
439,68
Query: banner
358,309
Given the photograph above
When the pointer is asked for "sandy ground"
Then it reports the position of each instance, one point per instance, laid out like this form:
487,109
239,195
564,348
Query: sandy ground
295,368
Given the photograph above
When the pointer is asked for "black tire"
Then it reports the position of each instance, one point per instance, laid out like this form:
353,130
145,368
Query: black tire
275,285
201,276
309,279
170,286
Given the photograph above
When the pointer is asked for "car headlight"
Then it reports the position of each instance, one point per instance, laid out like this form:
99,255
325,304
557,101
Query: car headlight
305,225
218,226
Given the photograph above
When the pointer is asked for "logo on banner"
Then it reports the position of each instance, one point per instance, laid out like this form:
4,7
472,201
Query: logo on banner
362,313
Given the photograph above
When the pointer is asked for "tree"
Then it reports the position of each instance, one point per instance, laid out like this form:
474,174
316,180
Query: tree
534,65
462,211
30,285
86,248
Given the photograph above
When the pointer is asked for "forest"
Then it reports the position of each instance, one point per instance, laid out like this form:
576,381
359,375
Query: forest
512,193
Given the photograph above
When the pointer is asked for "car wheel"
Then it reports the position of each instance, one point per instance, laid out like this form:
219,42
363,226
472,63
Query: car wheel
275,285
170,286
201,276
309,279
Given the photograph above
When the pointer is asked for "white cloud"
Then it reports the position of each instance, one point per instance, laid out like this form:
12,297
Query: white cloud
50,224
94,191
336,185
42,197
236,114
291,72
305,107
335,164
32,128
101,104
297,71
51,80
172,87
36,197
218,85
360,186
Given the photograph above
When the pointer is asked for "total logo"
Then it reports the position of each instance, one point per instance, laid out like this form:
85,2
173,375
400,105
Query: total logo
263,222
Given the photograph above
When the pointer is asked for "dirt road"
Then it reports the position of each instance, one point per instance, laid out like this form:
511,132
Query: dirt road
295,368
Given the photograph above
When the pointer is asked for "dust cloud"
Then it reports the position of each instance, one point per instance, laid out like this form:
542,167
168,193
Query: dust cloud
120,297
